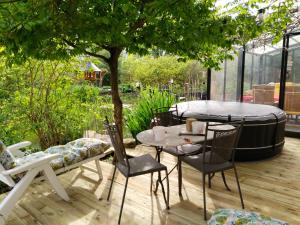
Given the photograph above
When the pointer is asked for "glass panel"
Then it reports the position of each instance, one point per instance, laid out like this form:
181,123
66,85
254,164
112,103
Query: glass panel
217,84
292,89
224,81
262,76
231,81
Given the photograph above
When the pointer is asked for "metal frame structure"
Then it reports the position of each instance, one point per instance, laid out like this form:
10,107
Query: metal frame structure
241,68
265,40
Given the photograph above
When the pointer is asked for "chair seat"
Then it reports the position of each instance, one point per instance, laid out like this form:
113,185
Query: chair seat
196,161
29,158
183,149
141,165
234,216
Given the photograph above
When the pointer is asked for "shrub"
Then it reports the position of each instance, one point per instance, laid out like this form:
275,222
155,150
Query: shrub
45,102
139,117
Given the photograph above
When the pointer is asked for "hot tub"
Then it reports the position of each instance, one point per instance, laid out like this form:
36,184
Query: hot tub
263,133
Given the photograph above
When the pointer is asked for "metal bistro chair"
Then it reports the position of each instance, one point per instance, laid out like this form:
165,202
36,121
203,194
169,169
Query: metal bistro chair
165,116
217,155
131,167
170,117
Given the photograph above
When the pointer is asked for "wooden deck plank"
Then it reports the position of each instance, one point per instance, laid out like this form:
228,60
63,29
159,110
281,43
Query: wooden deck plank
271,187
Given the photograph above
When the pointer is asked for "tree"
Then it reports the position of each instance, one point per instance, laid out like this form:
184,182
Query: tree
51,29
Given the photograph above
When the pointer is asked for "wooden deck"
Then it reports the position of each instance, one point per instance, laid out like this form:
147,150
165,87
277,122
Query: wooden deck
271,187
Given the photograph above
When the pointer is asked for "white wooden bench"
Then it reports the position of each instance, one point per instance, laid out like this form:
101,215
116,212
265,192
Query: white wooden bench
45,165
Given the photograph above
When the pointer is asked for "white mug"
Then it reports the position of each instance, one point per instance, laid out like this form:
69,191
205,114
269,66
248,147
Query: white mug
198,127
159,133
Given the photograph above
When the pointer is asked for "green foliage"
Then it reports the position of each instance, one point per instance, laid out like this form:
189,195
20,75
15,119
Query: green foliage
277,17
150,70
139,118
158,71
47,103
51,29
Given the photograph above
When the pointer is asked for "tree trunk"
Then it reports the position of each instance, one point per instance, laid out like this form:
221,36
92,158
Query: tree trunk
118,108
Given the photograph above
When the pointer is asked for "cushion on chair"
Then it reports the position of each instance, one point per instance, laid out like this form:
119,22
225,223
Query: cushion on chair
6,158
59,162
241,217
88,147
71,153
76,151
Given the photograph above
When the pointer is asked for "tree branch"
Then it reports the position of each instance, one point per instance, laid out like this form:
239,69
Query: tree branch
86,51
96,55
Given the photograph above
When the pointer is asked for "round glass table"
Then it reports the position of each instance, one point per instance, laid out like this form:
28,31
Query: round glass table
174,136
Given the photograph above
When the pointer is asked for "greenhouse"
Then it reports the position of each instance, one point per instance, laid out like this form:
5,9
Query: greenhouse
265,74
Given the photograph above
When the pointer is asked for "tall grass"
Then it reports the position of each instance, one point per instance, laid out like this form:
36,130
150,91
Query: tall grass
139,117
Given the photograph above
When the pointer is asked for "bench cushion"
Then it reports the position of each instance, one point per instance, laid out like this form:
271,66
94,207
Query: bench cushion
241,217
76,151
6,158
71,153
88,147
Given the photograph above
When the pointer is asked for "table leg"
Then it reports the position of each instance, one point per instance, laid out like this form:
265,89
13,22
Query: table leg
179,177
158,151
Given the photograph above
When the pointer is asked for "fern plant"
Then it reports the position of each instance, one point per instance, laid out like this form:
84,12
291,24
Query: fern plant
139,117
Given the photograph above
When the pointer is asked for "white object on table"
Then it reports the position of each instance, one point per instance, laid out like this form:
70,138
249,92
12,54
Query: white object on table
198,127
159,133
171,137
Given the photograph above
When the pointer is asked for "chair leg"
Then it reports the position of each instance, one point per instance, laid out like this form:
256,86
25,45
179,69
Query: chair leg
99,170
111,184
179,177
224,180
151,183
238,184
162,188
168,190
210,177
204,198
9,202
2,220
54,182
123,199
81,169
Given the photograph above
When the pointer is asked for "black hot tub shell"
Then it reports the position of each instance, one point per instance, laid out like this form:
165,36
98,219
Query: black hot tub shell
263,133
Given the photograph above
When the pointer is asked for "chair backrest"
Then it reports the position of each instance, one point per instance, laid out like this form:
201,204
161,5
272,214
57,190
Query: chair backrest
165,116
263,94
7,162
117,143
223,145
292,103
